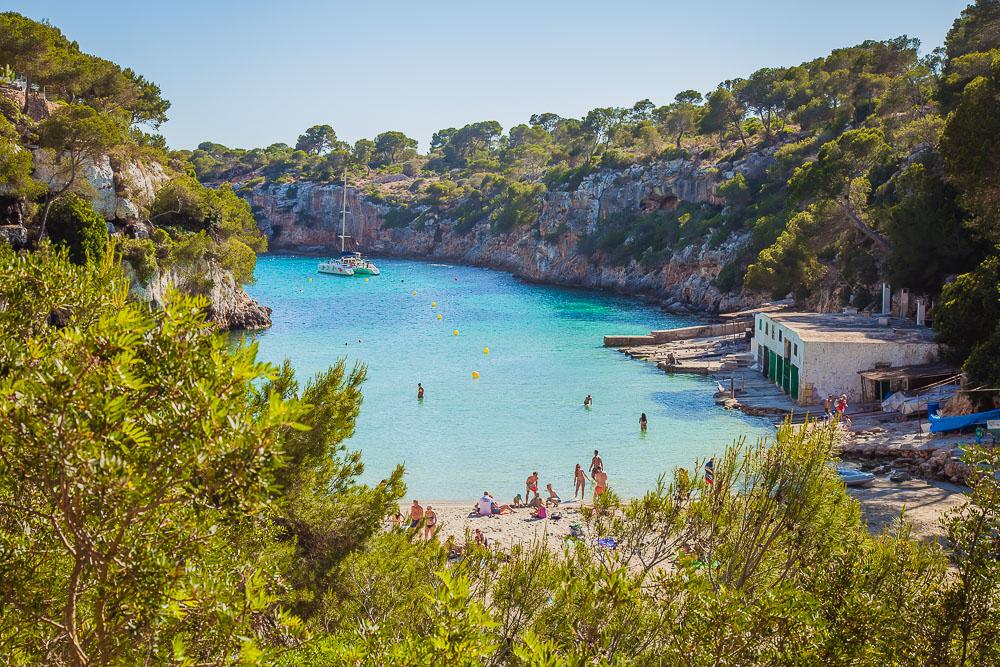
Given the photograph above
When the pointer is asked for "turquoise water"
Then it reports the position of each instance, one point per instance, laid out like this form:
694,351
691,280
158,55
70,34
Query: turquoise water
525,412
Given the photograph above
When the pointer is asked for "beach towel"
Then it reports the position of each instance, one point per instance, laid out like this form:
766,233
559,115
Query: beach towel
607,543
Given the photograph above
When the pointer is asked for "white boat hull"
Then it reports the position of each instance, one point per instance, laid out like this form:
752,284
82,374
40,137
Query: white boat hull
335,269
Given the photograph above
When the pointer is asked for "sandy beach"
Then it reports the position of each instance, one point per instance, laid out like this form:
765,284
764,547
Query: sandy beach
881,505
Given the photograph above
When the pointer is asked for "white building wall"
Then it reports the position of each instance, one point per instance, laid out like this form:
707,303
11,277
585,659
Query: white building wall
833,367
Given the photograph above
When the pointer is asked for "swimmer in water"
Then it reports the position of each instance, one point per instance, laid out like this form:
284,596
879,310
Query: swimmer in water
587,402
642,422
420,392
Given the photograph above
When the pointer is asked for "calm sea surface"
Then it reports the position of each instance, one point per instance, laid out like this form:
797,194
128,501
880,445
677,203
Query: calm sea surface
525,411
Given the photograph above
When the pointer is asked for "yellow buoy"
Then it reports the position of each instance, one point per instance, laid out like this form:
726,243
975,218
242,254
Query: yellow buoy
310,280
414,292
439,316
475,375
486,350
455,332
434,304
366,280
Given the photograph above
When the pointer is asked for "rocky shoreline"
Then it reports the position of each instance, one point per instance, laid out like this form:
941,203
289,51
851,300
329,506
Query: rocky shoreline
304,216
901,452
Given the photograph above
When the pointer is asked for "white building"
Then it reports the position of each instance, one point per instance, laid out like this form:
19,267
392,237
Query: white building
811,355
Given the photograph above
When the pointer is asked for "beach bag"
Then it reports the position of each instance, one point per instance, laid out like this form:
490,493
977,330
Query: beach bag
576,530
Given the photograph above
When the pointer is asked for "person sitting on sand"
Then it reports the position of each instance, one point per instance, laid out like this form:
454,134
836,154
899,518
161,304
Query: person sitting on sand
531,485
518,502
485,505
500,509
587,402
600,482
430,521
481,539
540,512
397,519
553,498
535,503
579,482
416,514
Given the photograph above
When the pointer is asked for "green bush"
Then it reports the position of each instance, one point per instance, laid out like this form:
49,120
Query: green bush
75,224
141,254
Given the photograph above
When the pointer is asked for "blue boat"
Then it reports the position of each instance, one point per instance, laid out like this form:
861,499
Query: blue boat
941,424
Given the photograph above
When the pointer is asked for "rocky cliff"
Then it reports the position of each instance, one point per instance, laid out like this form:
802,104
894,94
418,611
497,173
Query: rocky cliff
305,217
229,306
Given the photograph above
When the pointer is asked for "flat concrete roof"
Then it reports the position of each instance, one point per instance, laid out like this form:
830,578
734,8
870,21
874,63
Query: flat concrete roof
839,328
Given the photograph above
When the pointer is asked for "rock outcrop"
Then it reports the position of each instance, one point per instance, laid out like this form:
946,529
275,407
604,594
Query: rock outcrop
305,217
229,306
119,189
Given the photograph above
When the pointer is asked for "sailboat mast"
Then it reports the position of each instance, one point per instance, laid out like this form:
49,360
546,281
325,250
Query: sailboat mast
343,213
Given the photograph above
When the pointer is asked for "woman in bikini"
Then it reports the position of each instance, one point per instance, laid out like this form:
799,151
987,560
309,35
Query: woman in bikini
579,482
430,520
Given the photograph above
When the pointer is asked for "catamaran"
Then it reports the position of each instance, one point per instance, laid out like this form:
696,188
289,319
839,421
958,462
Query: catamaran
351,262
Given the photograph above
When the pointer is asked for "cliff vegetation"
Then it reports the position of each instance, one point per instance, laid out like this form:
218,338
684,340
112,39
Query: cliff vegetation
80,160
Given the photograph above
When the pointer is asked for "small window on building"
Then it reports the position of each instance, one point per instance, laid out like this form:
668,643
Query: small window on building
795,349
767,328
760,325
779,334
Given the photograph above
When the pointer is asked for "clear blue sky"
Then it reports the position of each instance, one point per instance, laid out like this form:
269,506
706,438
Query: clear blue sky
256,72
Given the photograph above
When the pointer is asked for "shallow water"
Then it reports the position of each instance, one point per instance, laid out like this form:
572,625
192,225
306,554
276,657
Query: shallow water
525,412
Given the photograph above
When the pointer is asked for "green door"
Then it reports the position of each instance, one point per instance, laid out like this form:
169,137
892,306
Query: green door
794,383
786,377
772,365
780,370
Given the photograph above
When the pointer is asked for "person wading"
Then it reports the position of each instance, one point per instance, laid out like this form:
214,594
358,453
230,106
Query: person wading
595,463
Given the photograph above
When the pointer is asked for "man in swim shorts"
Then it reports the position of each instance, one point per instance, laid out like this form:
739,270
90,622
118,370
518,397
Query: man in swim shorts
416,514
531,485
600,482
595,463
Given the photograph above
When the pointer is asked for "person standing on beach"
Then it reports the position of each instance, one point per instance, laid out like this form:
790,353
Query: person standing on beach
531,486
595,463
579,482
587,402
420,392
600,482
430,520
828,406
416,514
642,422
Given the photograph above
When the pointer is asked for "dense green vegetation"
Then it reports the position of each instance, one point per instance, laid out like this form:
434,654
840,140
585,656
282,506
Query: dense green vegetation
167,499
104,112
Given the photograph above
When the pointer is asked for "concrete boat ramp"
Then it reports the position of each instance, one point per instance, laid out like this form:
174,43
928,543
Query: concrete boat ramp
719,350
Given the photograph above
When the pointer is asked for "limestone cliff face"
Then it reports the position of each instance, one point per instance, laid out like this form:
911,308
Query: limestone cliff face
120,190
305,217
229,306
